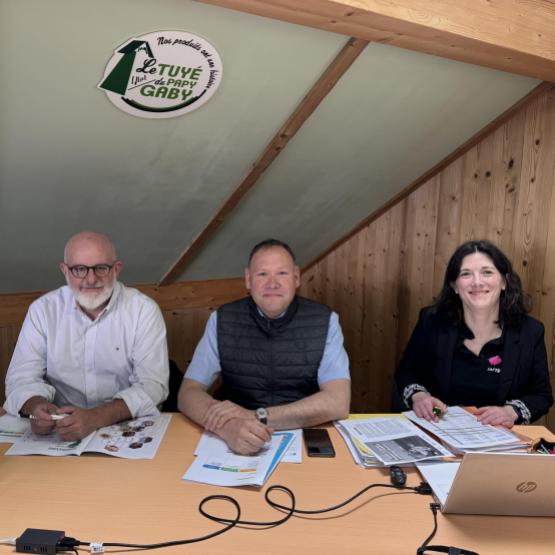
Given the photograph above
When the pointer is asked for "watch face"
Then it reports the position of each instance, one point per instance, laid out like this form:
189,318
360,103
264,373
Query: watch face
262,415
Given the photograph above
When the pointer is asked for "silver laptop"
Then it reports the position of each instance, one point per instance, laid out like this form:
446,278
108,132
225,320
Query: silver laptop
496,484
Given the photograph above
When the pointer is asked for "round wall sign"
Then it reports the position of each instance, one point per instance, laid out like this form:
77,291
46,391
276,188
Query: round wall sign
162,74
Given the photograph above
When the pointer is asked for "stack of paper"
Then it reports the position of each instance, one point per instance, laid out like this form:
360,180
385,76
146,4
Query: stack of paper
387,440
462,433
361,454
216,464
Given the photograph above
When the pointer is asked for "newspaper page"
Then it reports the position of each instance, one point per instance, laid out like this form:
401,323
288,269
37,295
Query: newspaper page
360,453
394,440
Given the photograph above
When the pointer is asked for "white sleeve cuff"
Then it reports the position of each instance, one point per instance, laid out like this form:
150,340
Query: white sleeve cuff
19,396
138,402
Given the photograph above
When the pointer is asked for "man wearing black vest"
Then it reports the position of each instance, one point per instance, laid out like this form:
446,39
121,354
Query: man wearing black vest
280,357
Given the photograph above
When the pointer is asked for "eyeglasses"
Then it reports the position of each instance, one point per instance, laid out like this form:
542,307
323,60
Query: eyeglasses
100,270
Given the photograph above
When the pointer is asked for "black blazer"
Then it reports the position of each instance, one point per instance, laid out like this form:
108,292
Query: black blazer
427,361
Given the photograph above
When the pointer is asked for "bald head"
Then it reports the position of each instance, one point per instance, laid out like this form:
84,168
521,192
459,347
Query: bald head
87,242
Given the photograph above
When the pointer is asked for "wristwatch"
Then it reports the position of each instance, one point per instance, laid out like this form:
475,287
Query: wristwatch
262,415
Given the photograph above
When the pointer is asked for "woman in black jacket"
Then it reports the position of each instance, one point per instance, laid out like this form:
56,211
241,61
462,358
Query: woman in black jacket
477,345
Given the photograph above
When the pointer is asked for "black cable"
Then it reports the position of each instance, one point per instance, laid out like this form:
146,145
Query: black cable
450,550
273,523
434,507
69,544
277,506
231,523
422,489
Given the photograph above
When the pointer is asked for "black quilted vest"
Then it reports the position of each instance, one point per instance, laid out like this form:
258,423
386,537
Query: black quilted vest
271,362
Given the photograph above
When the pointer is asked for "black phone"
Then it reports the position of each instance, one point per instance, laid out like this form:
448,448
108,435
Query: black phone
318,442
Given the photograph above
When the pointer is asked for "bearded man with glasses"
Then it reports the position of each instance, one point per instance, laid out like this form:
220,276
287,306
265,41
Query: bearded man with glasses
91,353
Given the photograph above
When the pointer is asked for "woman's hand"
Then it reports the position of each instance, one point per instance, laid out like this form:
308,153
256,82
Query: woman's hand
423,405
497,416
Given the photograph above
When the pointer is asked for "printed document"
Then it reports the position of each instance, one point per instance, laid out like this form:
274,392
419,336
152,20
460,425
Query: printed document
360,453
461,432
216,464
210,443
131,439
392,440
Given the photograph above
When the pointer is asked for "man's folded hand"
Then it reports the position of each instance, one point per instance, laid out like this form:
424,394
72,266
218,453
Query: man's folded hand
78,424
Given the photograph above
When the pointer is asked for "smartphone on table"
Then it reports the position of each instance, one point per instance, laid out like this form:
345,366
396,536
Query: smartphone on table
318,442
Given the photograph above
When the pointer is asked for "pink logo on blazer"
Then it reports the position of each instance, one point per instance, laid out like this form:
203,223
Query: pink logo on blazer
495,360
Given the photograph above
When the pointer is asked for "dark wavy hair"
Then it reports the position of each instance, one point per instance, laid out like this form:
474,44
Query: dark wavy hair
513,303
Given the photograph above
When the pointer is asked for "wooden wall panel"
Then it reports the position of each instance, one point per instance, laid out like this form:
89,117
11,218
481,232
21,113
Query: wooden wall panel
500,189
185,328
8,338
381,304
418,249
506,169
449,218
534,198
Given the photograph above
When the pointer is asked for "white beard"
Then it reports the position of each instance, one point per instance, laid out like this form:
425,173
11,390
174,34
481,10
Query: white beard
92,302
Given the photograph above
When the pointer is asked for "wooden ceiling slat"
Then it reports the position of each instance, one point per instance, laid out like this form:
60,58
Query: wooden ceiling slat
310,102
510,36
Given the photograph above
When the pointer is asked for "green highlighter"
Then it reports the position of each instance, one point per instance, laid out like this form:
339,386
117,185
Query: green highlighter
437,411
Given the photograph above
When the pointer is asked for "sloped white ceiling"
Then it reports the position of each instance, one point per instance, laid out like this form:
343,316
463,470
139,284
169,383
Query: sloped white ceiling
70,160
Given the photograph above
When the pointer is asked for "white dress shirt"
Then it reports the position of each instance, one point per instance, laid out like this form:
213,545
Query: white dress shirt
69,359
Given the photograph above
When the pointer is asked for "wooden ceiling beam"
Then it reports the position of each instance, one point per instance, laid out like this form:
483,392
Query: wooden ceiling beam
508,35
310,102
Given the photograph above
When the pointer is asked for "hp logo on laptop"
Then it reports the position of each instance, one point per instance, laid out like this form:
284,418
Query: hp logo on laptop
526,487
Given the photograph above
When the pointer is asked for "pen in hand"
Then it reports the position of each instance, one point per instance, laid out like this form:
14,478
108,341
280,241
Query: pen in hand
437,412
52,417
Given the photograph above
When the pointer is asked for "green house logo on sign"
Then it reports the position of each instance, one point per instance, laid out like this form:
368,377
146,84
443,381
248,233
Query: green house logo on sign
162,74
